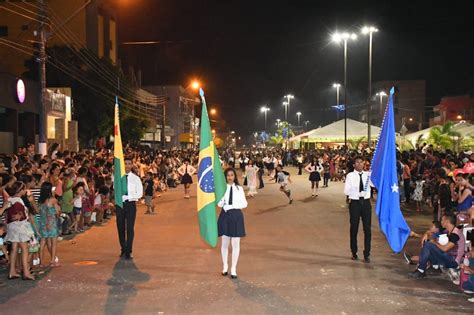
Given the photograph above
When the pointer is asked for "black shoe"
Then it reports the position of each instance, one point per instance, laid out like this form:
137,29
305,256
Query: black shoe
291,201
433,271
367,260
354,257
122,254
225,273
408,258
128,256
417,274
233,277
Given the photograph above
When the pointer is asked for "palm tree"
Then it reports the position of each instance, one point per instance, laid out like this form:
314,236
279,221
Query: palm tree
354,143
442,137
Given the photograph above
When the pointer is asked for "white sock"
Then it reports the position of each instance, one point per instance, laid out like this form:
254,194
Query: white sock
235,255
225,252
436,267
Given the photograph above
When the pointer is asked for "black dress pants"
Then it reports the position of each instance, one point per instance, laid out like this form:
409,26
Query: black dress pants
360,209
260,179
125,225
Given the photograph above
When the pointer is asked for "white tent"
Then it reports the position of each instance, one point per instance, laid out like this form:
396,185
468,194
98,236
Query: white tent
335,132
465,129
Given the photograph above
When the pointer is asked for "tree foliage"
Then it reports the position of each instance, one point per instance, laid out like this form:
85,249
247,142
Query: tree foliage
443,137
94,110
278,137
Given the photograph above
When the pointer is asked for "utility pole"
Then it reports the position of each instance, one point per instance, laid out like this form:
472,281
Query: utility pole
163,124
42,144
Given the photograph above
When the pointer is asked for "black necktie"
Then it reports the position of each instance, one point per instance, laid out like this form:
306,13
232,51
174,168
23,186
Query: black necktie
230,196
361,183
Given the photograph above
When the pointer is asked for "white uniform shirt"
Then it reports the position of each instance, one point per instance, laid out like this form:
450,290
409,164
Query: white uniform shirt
182,170
238,198
134,188
351,187
313,168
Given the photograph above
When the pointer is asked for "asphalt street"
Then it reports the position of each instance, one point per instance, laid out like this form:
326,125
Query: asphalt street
294,260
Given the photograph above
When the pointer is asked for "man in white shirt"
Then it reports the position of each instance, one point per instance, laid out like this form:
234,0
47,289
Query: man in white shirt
126,215
357,189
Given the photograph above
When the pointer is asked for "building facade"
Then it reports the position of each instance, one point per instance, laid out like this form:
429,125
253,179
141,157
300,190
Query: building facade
179,113
453,108
91,24
19,115
409,107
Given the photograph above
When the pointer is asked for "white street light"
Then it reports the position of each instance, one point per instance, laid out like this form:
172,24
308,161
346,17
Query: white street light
286,104
337,86
265,109
381,94
299,115
369,30
288,97
338,37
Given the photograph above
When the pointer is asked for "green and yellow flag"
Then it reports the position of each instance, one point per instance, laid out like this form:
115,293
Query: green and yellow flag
211,182
119,166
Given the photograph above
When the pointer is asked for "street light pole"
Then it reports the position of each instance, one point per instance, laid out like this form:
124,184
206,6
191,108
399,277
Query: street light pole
264,110
298,114
369,30
286,110
337,86
337,37
345,93
42,143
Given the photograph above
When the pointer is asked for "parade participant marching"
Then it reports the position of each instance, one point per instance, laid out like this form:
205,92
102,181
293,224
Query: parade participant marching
314,169
231,221
126,215
251,175
261,170
283,178
186,171
128,190
356,189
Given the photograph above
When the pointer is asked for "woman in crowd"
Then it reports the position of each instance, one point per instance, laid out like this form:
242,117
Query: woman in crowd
231,221
186,171
314,169
48,227
463,197
19,230
251,174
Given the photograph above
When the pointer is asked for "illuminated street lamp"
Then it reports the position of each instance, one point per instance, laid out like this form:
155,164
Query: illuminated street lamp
195,85
381,94
369,30
278,122
286,104
337,86
264,110
287,108
213,111
337,38
299,115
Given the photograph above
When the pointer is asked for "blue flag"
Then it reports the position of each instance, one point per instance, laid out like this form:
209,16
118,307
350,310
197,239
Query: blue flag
384,177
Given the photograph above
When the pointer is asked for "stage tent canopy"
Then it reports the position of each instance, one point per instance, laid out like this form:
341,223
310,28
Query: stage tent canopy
465,129
334,132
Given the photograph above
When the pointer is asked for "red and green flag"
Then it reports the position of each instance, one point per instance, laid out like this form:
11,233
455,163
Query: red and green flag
119,165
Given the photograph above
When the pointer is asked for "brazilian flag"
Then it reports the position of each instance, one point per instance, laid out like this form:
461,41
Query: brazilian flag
211,183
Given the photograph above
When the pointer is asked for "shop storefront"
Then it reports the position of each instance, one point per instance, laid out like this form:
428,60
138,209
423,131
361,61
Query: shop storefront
19,119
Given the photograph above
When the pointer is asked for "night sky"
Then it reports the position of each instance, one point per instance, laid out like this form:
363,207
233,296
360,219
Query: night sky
251,53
